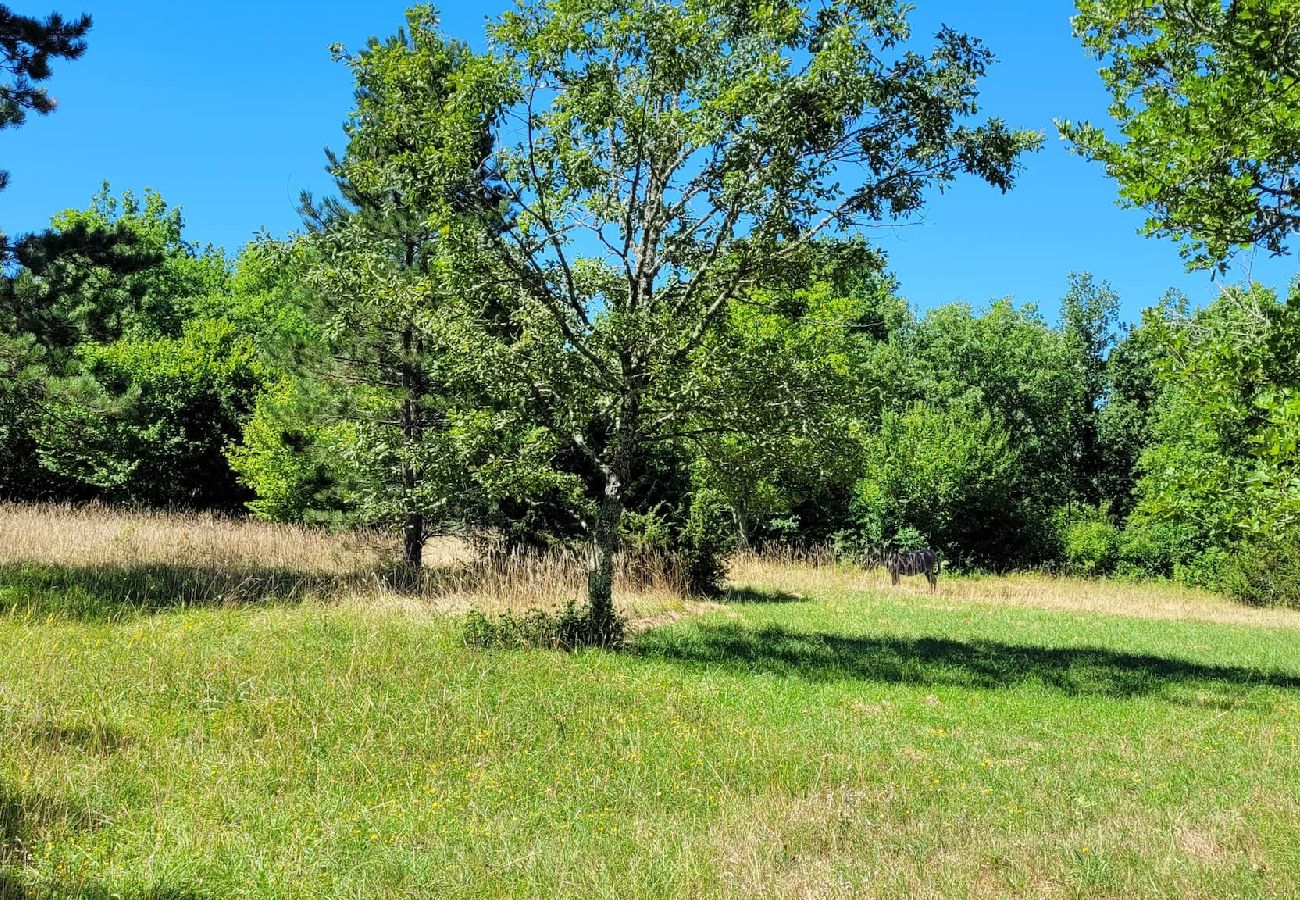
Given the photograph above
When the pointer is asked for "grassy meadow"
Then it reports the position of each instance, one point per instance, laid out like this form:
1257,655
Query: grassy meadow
199,708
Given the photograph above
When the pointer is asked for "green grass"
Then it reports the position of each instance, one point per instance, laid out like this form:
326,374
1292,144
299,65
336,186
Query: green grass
855,744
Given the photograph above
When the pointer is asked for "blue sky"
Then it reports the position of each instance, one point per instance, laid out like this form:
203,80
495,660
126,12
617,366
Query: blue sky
225,109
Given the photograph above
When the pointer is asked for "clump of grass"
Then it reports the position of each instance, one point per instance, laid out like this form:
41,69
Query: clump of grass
572,628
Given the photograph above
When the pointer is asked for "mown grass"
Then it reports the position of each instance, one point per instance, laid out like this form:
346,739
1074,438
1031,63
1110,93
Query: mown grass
826,738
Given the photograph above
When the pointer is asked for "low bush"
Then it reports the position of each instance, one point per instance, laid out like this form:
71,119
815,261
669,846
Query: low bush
1091,547
571,628
1266,571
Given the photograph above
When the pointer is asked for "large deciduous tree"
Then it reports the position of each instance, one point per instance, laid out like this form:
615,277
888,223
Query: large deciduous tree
1220,477
658,161
1089,320
1207,97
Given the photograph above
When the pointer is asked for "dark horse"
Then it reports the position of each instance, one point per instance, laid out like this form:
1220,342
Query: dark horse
913,562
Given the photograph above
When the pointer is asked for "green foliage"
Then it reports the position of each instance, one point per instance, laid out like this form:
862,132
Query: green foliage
24,378
146,421
122,381
982,433
119,268
1009,363
290,461
947,474
605,285
1220,473
1089,319
1091,543
674,157
682,540
572,628
27,45
1266,571
397,418
811,344
1133,386
1205,96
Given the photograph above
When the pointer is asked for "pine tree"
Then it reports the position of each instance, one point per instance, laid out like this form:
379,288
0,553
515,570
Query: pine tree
26,47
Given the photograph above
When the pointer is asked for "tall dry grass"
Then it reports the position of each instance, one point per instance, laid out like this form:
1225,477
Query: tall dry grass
154,559
817,573
95,559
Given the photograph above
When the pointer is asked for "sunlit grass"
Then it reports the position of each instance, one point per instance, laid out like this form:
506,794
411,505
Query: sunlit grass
852,741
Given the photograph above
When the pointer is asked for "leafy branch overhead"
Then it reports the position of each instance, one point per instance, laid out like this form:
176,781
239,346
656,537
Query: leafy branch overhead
1207,99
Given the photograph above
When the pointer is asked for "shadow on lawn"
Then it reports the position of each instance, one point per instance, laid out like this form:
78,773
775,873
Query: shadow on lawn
106,591
97,592
95,738
25,820
757,595
939,661
11,888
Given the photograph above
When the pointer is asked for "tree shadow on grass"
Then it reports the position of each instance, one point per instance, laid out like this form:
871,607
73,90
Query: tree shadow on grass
106,591
25,820
1086,671
109,592
758,595
13,888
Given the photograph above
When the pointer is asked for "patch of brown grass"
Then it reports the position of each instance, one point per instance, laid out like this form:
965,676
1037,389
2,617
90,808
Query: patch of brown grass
194,558
871,841
819,575
165,558
50,534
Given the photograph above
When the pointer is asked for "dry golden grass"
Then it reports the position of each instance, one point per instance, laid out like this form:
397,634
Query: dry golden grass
158,559
816,574
99,536
169,559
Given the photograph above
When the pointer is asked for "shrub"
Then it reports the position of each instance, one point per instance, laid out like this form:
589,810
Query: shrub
146,421
948,474
569,629
1266,571
1153,547
1091,547
663,545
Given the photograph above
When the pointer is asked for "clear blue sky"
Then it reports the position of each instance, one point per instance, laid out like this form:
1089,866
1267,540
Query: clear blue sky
225,108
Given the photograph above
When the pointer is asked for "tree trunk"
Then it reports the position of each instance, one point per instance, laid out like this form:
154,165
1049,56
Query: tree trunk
600,574
411,385
414,552
742,527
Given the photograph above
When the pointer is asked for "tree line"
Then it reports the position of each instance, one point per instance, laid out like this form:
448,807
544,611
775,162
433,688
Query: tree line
605,285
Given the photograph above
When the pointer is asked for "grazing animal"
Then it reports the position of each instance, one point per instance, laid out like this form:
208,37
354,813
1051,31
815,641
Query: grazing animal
913,562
